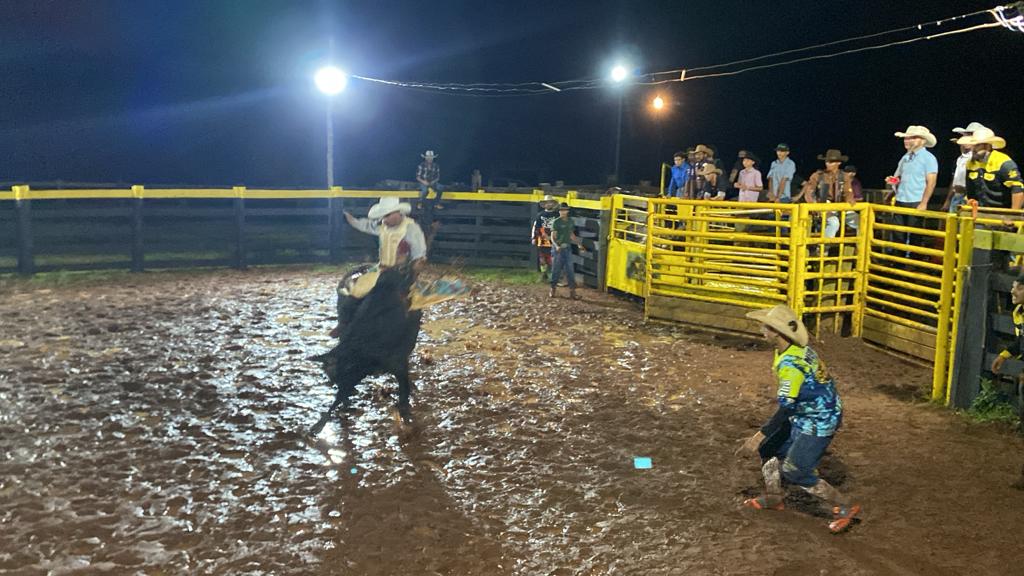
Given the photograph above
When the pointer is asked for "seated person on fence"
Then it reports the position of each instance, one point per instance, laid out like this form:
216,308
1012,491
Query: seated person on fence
1015,348
401,243
831,185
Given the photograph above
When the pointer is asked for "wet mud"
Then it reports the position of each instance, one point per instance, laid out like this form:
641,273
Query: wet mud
159,426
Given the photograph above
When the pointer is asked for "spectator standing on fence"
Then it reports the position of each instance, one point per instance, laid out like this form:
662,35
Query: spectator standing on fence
915,178
428,175
722,185
563,236
680,175
1015,349
691,173
780,176
958,187
748,181
830,185
476,180
696,186
993,178
810,405
540,234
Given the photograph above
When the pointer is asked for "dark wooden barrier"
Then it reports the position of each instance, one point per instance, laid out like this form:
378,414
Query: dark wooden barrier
151,233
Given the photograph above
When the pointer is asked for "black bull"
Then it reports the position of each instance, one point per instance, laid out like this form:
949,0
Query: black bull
377,337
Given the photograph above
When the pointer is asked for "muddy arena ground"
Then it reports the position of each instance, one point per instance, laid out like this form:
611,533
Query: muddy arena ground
156,424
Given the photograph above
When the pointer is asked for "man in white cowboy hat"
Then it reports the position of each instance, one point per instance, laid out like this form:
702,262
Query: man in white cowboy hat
428,175
401,238
917,170
401,243
993,178
915,178
809,413
958,187
540,234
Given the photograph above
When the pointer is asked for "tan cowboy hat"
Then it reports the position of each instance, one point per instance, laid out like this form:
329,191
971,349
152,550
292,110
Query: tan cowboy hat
548,201
833,155
702,148
386,206
708,169
971,128
783,320
918,132
983,136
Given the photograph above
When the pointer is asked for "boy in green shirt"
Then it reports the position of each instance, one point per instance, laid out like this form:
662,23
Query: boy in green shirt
563,235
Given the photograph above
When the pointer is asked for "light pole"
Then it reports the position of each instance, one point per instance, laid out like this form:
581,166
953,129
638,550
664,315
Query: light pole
331,81
619,74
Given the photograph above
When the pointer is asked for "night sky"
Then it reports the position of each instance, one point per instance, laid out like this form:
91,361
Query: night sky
219,92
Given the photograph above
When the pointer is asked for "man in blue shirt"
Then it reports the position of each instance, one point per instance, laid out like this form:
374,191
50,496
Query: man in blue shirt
916,175
680,175
780,176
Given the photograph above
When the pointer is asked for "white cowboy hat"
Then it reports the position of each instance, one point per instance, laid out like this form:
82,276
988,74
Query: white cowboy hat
983,136
971,128
428,154
548,200
918,132
783,320
388,205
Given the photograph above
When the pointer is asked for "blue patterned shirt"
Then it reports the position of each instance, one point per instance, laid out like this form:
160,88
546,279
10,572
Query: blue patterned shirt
806,387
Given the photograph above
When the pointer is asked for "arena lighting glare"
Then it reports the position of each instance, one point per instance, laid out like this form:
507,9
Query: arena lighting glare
330,80
658,103
619,73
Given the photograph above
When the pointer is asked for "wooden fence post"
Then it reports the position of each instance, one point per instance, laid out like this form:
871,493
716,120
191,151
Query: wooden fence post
335,209
972,332
239,227
138,257
23,206
604,231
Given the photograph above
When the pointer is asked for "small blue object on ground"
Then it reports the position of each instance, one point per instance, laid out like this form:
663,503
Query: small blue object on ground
354,470
642,463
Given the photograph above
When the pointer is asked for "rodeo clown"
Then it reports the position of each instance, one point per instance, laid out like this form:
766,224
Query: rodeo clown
809,414
540,234
402,246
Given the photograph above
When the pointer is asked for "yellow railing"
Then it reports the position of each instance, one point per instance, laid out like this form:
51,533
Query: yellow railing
840,266
25,193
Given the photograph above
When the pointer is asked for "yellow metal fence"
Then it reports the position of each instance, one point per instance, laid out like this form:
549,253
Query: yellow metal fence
843,267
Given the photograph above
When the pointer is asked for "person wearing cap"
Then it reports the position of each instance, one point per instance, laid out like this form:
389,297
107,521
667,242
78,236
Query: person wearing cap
540,234
830,185
563,236
780,176
680,175
993,178
748,181
808,403
737,167
957,189
428,175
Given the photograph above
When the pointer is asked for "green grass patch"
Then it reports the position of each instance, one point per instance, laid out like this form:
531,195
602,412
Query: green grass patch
517,276
64,278
992,405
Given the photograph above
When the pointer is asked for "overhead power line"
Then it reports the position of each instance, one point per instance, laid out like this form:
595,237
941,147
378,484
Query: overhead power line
1008,16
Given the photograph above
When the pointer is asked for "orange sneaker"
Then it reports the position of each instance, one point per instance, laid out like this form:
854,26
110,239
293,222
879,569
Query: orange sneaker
761,503
844,516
